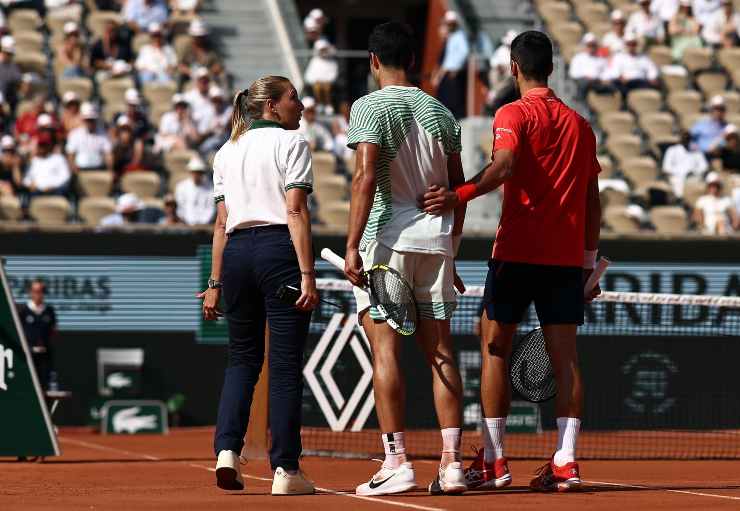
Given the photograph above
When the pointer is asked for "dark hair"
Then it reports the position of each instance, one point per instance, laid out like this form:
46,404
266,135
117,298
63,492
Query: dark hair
393,43
532,51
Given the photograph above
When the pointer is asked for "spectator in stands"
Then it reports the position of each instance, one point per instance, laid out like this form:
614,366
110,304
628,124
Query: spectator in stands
29,124
48,172
450,78
170,212
613,40
184,8
707,132
502,89
339,129
128,207
157,60
319,17
587,67
722,28
10,73
10,167
714,212
631,69
88,147
321,73
647,26
200,53
176,127
664,9
142,128
219,126
70,54
71,117
194,196
201,107
680,161
63,9
6,116
311,30
729,153
141,13
39,322
317,136
110,47
28,86
704,9
127,151
684,31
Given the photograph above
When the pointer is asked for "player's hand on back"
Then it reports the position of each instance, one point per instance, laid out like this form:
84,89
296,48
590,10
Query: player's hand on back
353,267
437,200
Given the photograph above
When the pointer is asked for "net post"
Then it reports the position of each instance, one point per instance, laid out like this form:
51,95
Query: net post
256,439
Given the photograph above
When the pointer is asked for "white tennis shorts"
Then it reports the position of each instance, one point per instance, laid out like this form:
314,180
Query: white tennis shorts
431,276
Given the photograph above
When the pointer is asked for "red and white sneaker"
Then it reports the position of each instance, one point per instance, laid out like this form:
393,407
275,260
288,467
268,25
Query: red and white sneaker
551,477
487,476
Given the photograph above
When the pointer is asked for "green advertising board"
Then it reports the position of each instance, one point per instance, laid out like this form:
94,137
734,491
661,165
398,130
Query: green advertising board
134,417
25,428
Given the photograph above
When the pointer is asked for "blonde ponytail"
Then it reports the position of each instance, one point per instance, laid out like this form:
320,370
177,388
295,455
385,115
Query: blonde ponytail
249,103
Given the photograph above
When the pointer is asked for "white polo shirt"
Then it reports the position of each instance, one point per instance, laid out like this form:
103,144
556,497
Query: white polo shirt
253,174
89,148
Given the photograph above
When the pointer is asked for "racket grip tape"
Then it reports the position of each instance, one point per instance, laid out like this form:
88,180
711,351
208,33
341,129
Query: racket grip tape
334,259
601,265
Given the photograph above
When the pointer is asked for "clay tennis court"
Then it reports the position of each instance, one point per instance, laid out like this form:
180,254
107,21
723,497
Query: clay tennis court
175,472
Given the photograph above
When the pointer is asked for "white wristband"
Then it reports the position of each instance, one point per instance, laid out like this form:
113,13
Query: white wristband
589,259
456,240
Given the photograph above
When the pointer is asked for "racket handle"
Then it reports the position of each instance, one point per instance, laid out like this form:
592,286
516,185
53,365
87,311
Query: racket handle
332,258
601,266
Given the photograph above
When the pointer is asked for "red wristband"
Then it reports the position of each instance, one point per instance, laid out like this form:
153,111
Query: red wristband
466,193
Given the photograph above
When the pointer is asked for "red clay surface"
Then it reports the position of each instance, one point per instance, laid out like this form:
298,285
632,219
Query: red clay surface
175,472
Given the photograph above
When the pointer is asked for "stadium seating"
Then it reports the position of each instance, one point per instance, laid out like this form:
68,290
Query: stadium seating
639,170
623,147
335,214
143,183
669,219
618,123
10,208
93,209
95,183
24,20
697,59
50,210
644,100
620,221
711,83
83,87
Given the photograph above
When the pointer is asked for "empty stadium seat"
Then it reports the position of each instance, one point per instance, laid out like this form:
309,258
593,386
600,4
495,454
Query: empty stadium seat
92,209
29,41
335,214
675,81
729,58
10,208
669,219
602,103
157,110
143,183
83,87
644,100
685,102
49,210
32,62
567,34
620,221
176,161
623,147
657,124
660,55
693,188
97,20
95,183
592,13
175,179
617,123
697,59
607,166
324,163
140,40
24,20
711,83
113,90
159,93
732,101
555,12
330,189
639,170
612,197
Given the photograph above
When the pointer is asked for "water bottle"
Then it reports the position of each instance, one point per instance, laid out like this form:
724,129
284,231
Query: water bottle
53,381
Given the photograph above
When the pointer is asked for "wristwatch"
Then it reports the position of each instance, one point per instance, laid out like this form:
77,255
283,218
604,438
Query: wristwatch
214,284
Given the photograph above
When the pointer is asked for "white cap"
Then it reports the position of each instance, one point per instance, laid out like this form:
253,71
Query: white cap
617,15
321,44
197,28
196,164
28,77
636,211
71,27
120,67
88,111
308,102
201,72
154,28
179,98
316,14
589,38
7,142
70,96
310,24
451,17
509,37
44,121
7,44
713,177
186,5
730,129
717,101
123,120
128,202
215,92
131,96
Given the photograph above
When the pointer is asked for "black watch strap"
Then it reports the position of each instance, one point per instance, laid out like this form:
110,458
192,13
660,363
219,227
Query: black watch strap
214,284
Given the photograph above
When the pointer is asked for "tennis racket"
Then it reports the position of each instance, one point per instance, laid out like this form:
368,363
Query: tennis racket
390,294
531,371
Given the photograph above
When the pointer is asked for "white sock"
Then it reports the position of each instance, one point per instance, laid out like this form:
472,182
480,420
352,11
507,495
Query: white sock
395,449
568,428
493,438
450,445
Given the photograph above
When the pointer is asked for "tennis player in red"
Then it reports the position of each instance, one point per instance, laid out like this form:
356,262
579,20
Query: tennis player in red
544,154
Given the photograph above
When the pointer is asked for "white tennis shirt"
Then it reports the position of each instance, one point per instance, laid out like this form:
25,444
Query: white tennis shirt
253,174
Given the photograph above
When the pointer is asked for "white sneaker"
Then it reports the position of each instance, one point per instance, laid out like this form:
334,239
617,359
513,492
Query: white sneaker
450,480
228,472
285,483
389,480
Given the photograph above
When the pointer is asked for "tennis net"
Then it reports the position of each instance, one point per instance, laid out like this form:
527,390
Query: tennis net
660,379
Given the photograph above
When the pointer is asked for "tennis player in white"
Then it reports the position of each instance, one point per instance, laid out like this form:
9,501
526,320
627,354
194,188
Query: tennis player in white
406,141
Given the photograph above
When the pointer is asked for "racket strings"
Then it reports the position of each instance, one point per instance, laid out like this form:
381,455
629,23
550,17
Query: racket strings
395,297
531,371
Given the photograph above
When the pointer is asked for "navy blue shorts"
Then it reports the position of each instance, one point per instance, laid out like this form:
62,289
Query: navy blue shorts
557,293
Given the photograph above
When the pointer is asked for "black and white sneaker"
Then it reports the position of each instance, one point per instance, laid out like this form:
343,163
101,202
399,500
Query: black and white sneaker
449,481
389,480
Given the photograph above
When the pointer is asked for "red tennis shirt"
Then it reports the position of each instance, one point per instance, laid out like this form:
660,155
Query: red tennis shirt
544,210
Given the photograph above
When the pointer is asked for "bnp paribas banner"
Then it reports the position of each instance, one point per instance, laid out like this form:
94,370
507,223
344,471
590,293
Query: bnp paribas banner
25,425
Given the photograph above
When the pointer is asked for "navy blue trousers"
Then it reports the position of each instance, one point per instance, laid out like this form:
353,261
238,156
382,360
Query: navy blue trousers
256,262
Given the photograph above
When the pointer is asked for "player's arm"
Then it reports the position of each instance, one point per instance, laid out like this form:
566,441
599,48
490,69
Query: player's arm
361,200
593,232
